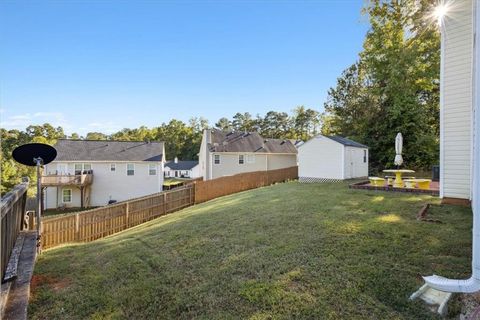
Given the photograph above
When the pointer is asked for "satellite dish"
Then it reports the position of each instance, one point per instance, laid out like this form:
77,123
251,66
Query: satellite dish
36,155
28,154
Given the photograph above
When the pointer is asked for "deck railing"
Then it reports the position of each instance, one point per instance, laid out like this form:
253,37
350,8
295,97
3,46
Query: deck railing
78,179
12,220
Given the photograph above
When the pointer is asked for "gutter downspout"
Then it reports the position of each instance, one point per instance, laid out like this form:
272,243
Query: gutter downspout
473,283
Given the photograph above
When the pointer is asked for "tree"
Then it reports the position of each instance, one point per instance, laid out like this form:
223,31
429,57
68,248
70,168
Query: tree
243,122
306,123
393,87
96,136
223,124
11,171
275,125
75,136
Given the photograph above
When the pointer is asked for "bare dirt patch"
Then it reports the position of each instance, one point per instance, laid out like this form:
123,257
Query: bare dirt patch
56,284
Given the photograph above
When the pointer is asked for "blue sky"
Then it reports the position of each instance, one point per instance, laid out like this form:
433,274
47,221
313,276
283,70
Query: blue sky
106,65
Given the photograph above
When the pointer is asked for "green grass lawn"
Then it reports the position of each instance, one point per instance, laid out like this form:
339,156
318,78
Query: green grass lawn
305,251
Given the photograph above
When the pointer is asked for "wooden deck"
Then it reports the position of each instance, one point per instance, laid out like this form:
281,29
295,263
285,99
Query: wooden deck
67,180
434,188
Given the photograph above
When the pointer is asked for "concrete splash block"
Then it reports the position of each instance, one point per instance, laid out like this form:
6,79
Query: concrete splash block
436,300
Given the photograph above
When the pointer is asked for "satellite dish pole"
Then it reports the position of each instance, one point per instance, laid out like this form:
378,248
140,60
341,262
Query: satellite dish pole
36,155
38,163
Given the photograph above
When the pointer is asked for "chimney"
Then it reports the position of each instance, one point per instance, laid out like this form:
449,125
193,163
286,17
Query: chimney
175,160
208,135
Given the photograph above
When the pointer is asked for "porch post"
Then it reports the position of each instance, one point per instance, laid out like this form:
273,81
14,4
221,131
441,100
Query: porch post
81,196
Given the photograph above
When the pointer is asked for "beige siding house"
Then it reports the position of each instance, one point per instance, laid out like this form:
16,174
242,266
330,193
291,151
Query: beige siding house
92,173
229,153
456,101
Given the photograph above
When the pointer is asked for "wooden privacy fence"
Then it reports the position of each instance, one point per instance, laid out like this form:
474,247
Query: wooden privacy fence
211,189
13,214
98,223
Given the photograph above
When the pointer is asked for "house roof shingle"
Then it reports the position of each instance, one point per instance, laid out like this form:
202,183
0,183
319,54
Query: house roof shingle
181,165
248,142
107,150
347,142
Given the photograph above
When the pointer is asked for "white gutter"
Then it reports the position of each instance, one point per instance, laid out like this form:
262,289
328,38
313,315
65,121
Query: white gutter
473,283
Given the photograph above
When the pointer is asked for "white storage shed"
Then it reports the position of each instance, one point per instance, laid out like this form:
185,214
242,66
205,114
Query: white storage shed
325,158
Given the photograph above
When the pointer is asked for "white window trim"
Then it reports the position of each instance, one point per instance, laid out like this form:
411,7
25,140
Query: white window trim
150,165
63,196
250,158
219,159
130,175
82,165
114,166
242,156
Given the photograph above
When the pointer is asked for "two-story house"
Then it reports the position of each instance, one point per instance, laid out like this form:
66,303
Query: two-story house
229,153
94,173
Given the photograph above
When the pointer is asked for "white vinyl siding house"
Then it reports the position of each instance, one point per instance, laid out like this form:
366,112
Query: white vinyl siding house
182,169
331,158
456,102
116,173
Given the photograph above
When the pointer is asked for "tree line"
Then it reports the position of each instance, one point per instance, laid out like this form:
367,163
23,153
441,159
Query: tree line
393,87
181,139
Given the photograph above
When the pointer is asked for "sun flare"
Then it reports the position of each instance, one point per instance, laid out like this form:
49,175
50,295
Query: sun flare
440,11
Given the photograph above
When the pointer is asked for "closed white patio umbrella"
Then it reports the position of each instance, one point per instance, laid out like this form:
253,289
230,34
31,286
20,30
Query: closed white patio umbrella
398,149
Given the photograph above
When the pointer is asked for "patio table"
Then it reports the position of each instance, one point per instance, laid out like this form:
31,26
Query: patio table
398,183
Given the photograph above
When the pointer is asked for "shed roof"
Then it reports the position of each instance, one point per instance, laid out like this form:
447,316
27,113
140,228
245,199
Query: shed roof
347,142
108,150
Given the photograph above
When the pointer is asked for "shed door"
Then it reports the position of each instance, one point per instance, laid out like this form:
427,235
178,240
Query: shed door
351,165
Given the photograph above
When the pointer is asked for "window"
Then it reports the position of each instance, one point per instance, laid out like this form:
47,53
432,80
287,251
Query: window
250,158
113,167
241,159
130,169
67,195
152,169
364,156
78,168
82,167
216,159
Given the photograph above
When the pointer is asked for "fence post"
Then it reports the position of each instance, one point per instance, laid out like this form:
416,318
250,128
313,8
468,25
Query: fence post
31,221
192,193
77,227
164,203
127,209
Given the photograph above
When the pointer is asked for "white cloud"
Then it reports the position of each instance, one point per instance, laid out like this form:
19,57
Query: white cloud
106,127
21,121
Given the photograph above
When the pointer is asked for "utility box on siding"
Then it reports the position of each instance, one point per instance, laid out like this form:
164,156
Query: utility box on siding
327,158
